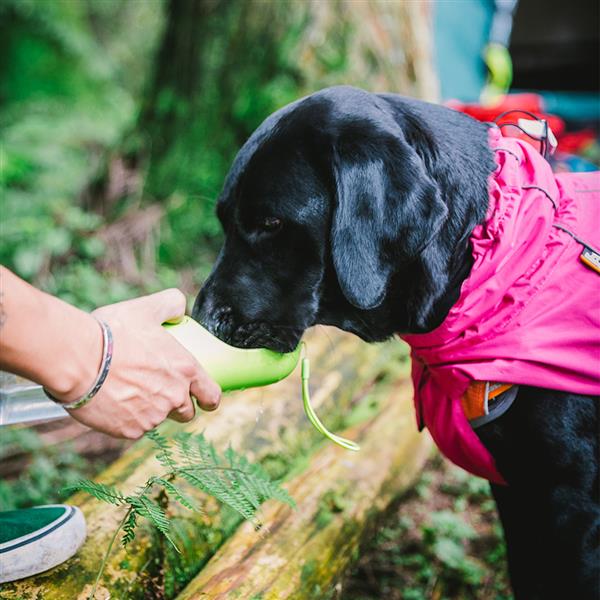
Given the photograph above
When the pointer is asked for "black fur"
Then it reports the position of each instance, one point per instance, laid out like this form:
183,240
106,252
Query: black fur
377,195
546,447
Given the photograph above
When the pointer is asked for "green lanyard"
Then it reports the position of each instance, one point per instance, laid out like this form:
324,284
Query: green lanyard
312,416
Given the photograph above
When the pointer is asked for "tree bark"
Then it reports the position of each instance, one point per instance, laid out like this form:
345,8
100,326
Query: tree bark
174,89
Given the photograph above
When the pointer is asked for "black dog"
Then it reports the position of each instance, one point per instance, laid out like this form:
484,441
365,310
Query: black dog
355,210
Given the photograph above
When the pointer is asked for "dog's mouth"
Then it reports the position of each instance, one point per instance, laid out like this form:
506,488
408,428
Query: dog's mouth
254,334
264,335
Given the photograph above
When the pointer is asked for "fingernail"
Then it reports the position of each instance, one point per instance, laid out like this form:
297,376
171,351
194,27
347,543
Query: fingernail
215,400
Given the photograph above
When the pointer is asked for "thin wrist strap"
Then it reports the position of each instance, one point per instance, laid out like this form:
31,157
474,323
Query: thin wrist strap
107,352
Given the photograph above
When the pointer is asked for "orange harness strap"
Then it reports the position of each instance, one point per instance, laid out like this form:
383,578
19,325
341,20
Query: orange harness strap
476,398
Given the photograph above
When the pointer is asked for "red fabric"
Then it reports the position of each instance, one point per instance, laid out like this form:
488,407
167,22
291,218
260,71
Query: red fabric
529,312
532,103
577,141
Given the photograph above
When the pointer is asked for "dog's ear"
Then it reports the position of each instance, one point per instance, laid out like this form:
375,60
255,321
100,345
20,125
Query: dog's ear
387,210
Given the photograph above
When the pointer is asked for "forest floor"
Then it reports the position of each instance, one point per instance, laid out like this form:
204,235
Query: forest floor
442,541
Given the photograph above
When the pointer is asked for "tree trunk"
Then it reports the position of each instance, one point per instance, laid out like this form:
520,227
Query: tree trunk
224,65
173,93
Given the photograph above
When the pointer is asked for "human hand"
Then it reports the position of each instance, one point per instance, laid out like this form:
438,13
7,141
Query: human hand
151,375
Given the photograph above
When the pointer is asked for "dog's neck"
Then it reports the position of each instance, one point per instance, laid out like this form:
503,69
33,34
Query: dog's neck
441,307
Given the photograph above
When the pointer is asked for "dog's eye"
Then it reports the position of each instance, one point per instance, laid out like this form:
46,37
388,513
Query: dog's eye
271,224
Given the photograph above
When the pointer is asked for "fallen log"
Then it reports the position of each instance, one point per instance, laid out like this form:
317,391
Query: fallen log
267,425
339,496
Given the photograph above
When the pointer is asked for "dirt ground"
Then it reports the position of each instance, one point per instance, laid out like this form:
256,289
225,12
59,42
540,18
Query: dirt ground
442,542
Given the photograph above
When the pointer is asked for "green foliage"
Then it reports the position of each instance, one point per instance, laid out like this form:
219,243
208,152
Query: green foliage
42,470
69,85
239,485
195,135
229,478
428,548
100,491
444,537
85,85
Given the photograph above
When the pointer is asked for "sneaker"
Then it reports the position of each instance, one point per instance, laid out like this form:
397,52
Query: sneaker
33,540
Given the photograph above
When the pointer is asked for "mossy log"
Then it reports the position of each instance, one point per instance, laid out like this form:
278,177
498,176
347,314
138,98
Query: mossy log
339,495
267,425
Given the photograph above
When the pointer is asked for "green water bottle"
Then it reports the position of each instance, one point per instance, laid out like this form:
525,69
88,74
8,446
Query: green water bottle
232,368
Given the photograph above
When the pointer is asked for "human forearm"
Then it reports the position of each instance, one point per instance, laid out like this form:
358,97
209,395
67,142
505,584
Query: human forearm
151,375
47,340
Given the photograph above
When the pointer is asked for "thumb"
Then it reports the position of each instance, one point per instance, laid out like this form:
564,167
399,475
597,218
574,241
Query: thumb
168,305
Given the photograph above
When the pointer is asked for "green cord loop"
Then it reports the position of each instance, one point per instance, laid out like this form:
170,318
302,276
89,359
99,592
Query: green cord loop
312,416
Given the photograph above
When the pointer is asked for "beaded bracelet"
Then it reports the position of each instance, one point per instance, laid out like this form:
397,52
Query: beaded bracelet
107,352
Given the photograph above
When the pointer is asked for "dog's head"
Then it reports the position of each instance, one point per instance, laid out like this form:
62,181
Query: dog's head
331,212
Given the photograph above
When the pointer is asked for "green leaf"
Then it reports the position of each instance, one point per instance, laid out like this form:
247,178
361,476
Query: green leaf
449,552
129,528
57,241
104,493
147,508
164,454
28,261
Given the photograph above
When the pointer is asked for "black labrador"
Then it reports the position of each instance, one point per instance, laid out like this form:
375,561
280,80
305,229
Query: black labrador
355,209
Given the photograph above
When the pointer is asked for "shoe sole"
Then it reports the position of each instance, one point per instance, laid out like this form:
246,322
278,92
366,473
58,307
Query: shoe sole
43,549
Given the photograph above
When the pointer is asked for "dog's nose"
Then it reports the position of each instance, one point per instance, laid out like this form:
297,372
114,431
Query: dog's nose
213,315
203,308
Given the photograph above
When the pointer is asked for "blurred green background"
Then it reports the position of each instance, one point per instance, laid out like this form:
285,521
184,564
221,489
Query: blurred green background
119,120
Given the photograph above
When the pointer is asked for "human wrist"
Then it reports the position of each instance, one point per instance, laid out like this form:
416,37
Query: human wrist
82,399
81,360
47,340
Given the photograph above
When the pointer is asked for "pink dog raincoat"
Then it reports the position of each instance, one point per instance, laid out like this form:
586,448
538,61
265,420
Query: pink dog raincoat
529,312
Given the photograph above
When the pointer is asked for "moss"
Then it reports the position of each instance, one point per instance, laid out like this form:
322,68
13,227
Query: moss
309,570
149,568
197,543
276,465
331,503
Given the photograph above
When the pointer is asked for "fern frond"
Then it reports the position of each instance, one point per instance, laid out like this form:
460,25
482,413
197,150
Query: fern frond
206,451
177,493
232,480
187,453
229,477
233,458
145,507
267,489
196,451
100,491
164,453
257,480
213,483
129,528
